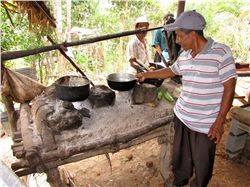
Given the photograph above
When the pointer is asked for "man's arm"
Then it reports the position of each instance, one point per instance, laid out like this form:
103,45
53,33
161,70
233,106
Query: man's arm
158,49
158,74
217,129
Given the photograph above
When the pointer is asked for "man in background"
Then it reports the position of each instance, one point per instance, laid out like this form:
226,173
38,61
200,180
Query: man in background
137,48
164,42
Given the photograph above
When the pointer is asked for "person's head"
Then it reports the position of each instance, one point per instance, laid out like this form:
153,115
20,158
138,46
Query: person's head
168,18
188,27
141,22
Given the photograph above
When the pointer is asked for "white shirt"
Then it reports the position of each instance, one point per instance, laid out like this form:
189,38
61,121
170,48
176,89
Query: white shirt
136,48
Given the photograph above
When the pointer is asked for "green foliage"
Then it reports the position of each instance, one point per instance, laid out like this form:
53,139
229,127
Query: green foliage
18,37
83,13
227,22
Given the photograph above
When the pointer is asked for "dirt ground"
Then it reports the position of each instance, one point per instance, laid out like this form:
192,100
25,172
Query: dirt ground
138,166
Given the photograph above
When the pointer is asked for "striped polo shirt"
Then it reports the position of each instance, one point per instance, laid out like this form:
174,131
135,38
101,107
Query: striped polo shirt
202,84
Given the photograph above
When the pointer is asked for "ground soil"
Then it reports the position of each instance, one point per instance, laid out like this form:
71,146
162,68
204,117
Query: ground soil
138,166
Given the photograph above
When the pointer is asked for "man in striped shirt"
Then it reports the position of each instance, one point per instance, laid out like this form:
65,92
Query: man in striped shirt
209,78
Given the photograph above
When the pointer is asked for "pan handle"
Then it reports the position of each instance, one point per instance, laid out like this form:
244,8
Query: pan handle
70,60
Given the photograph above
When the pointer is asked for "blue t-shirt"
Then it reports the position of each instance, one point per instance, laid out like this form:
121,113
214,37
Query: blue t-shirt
159,39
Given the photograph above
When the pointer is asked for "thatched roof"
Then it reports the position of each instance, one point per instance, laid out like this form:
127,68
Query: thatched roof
38,13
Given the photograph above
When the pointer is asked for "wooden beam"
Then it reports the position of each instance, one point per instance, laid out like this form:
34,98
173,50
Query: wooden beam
9,55
180,7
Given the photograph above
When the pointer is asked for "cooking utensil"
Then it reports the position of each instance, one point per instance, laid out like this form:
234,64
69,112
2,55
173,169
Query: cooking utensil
72,88
121,81
164,60
142,64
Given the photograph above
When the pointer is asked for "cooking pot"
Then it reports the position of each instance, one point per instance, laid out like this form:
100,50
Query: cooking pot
156,65
156,82
72,88
121,81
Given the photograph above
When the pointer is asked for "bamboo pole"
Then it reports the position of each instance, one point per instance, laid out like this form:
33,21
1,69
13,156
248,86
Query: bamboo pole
10,55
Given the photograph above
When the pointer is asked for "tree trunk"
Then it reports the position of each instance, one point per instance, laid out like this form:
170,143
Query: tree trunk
68,36
57,8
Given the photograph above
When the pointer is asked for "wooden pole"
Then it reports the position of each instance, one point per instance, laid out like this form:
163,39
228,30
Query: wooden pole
23,53
180,7
70,60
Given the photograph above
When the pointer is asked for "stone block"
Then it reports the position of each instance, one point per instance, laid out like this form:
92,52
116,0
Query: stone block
144,93
234,129
101,96
236,143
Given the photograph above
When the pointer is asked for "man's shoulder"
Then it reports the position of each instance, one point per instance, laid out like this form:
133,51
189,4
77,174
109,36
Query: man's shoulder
159,31
221,47
133,41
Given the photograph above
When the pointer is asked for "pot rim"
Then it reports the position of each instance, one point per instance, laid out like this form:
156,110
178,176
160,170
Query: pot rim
69,76
133,78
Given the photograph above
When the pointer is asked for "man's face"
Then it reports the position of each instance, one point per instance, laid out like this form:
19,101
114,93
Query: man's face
183,39
165,20
140,26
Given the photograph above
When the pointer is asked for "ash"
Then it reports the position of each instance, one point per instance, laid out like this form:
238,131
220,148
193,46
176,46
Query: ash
121,118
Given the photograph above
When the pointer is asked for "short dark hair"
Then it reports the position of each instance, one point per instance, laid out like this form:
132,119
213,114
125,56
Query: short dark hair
168,15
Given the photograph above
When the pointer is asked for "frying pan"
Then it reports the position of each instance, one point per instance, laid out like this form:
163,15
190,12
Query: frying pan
121,81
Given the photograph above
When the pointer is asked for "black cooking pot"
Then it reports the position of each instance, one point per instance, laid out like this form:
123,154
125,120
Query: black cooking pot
156,65
72,88
121,81
156,82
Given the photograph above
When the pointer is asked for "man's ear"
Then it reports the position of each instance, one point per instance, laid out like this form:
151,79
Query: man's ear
193,34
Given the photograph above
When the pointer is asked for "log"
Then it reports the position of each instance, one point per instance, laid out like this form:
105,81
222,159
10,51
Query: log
9,55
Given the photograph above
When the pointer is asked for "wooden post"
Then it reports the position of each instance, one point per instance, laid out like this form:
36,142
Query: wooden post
180,7
166,152
12,114
54,178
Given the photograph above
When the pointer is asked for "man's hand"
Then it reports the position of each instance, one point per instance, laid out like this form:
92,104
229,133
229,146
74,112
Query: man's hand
132,59
216,131
140,77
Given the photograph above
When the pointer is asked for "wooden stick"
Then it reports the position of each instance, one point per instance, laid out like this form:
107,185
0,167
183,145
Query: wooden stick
19,54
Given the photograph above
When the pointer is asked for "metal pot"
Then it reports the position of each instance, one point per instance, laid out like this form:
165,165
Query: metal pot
156,82
72,88
121,81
